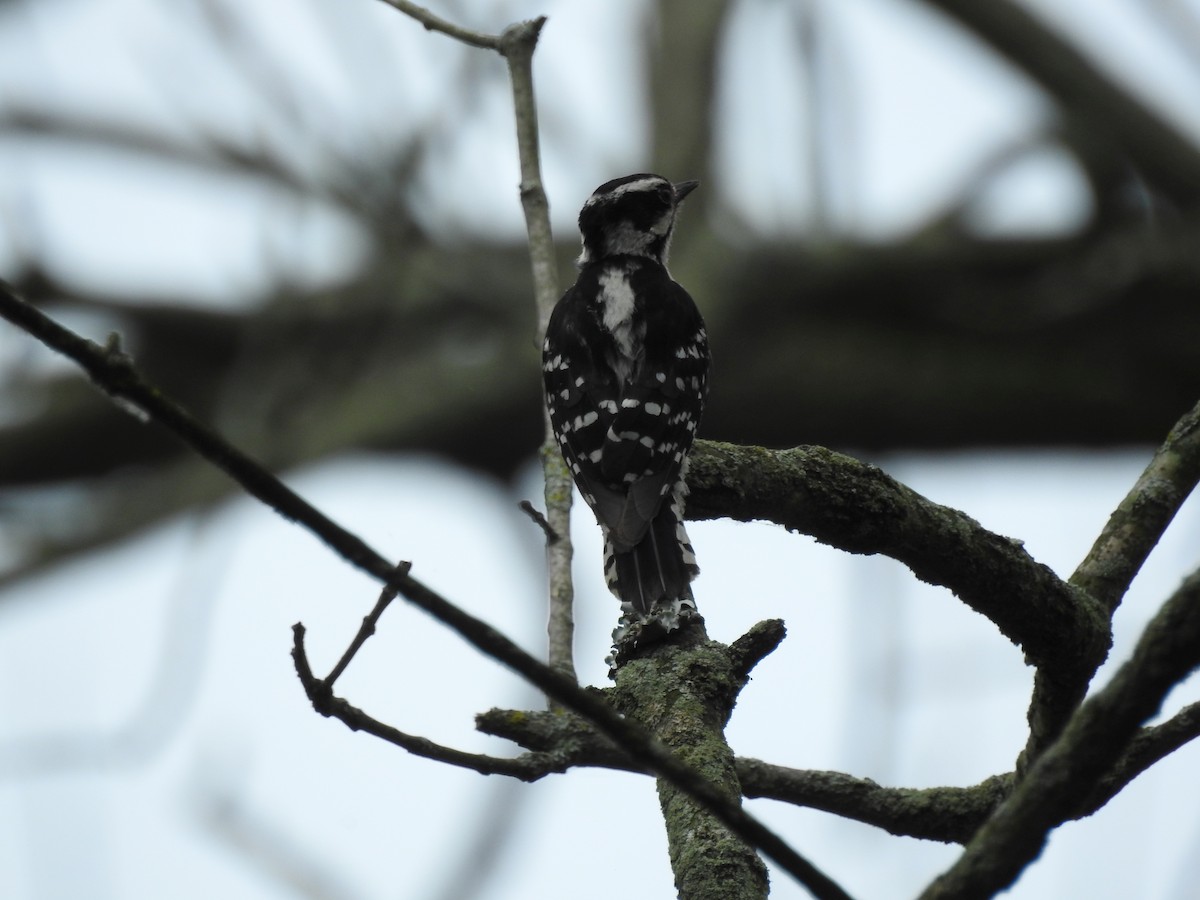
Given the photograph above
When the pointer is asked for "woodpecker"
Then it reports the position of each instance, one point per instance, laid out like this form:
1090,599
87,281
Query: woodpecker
625,367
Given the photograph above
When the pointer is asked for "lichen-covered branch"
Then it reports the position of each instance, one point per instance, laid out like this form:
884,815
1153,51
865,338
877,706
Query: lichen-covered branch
1058,784
947,814
684,693
1115,558
1139,521
859,508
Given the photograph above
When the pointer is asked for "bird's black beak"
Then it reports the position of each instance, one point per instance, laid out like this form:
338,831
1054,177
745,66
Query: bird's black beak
683,188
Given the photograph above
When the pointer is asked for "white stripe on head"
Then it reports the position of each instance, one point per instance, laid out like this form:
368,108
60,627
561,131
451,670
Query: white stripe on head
642,184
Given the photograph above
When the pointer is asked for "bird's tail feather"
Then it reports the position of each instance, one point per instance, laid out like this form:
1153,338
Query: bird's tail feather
659,567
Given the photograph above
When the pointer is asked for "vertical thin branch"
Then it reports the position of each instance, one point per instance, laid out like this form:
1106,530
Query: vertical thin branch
517,44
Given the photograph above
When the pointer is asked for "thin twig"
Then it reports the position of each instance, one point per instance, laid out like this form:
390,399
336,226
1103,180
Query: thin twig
436,23
370,620
539,520
528,767
517,44
1139,521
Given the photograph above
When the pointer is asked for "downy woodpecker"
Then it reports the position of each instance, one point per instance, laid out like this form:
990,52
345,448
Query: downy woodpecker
625,366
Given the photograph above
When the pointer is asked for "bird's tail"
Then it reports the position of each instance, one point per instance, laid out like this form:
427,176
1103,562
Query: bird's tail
660,567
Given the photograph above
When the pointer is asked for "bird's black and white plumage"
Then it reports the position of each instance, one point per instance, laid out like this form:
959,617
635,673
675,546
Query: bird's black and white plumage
625,366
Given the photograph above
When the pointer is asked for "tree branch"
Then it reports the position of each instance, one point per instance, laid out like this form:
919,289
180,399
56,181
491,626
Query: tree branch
1066,774
858,508
947,814
528,767
1109,567
365,631
1139,521
1086,95
1148,747
517,45
436,23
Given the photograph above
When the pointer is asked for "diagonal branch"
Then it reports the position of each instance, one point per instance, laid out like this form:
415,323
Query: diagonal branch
115,374
1061,780
1139,521
436,23
1148,747
1111,564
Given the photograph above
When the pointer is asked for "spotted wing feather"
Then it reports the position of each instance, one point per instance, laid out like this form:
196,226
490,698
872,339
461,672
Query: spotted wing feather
626,438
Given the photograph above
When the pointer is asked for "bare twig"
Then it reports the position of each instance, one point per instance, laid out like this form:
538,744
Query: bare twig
366,630
435,23
539,520
517,44
320,694
1139,521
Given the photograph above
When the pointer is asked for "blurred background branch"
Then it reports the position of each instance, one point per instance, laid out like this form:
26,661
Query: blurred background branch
416,337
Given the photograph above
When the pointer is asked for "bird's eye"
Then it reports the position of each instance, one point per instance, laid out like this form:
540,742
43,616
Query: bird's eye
666,194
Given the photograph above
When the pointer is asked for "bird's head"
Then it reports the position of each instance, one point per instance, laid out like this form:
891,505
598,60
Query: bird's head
633,215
